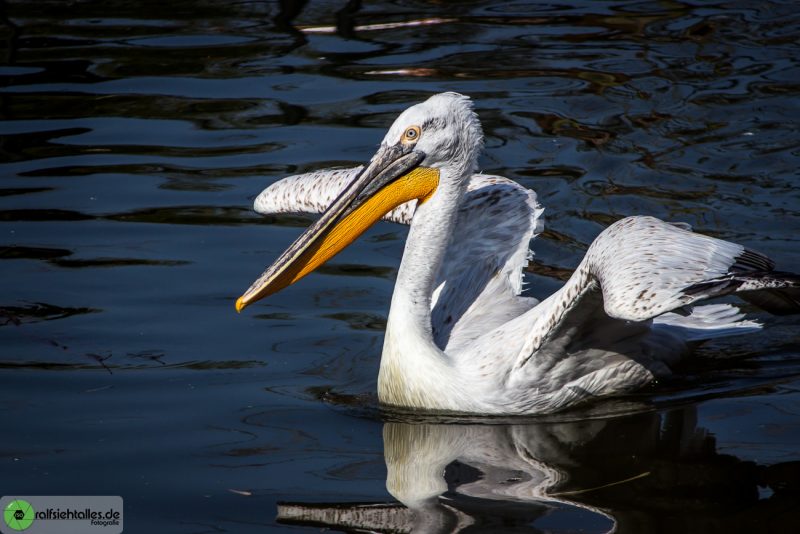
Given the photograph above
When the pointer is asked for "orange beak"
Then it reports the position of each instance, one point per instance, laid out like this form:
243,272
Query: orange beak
391,179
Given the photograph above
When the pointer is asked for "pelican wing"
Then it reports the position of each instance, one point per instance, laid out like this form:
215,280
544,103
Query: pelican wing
610,329
480,280
313,192
640,268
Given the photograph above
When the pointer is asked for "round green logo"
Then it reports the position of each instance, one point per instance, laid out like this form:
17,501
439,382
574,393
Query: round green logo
18,514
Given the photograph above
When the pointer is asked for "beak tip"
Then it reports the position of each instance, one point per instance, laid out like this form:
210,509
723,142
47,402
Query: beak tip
240,304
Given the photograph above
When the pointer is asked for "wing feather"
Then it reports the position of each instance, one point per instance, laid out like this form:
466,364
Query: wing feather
313,192
481,280
645,267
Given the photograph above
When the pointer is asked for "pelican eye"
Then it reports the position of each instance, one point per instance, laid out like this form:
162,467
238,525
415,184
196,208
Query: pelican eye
411,134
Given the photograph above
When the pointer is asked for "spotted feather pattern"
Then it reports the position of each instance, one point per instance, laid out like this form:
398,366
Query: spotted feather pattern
313,192
643,268
609,329
480,284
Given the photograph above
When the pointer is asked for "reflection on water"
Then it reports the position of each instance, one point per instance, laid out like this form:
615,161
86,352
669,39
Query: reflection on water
134,137
651,472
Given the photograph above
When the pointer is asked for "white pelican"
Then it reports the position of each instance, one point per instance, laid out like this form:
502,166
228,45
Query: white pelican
459,336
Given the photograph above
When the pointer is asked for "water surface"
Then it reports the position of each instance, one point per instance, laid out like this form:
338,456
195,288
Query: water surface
134,138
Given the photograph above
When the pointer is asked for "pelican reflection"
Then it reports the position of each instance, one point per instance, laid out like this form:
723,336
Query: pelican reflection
647,472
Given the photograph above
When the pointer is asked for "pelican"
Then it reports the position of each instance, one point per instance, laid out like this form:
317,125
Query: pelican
459,336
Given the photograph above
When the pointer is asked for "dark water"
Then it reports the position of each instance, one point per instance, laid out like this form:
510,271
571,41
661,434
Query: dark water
134,137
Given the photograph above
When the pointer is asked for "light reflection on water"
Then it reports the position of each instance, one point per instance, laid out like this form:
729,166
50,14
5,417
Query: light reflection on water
132,143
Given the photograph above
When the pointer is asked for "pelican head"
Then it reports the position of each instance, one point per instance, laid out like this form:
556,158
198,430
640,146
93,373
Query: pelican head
432,146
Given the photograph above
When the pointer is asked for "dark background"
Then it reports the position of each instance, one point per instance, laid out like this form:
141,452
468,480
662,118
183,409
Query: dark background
135,135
